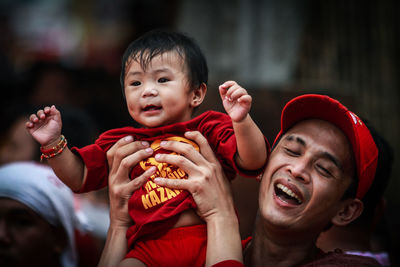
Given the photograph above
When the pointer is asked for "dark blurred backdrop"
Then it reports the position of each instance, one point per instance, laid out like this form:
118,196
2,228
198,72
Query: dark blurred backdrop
67,52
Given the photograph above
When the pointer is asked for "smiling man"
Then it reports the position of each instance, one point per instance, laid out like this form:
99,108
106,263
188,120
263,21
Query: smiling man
323,162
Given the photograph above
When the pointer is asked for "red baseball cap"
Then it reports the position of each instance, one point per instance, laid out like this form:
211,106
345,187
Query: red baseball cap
323,107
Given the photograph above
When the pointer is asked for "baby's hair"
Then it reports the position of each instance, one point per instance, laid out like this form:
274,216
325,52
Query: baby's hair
157,42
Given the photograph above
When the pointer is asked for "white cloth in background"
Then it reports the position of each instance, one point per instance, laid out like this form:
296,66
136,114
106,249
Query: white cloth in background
36,186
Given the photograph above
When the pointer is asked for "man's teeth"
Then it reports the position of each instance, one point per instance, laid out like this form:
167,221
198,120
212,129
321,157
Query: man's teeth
288,192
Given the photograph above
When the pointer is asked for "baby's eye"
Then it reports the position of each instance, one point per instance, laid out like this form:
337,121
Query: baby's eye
163,80
135,83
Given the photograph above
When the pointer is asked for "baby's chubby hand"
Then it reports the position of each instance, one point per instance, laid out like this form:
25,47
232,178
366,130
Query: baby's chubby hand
236,100
45,126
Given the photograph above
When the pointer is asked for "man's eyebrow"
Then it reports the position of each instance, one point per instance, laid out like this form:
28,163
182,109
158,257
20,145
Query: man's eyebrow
296,138
323,154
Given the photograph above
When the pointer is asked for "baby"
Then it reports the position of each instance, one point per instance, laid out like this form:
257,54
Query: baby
164,79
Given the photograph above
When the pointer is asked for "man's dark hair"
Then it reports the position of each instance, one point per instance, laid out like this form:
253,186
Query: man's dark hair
351,191
157,42
382,174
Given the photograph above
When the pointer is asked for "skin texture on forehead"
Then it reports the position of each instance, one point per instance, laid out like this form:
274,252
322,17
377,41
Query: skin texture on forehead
146,60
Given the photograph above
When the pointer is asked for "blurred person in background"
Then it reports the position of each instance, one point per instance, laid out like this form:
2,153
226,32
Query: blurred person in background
49,82
37,218
16,143
92,209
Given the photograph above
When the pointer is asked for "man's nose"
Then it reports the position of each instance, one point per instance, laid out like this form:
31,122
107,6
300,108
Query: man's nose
299,169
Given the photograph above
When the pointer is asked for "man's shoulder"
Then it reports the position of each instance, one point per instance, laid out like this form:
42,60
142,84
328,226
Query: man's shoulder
339,258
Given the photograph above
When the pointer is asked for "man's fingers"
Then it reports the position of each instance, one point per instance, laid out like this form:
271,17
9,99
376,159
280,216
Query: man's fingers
191,159
123,141
187,157
131,148
123,148
185,149
187,165
136,183
111,152
117,145
125,164
173,183
202,142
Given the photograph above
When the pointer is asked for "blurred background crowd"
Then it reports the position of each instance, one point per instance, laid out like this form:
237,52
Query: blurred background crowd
68,53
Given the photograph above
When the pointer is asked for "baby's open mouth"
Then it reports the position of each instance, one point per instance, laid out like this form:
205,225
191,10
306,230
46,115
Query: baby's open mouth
287,195
151,107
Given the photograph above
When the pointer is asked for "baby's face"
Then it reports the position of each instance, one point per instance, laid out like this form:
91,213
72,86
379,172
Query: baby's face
160,94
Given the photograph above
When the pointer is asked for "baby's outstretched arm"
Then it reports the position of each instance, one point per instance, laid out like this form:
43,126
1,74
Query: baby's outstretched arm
45,127
251,147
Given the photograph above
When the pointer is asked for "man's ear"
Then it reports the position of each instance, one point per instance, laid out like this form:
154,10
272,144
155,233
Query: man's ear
198,95
351,209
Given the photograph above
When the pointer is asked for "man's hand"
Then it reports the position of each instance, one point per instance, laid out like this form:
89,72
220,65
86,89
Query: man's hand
206,180
212,193
122,157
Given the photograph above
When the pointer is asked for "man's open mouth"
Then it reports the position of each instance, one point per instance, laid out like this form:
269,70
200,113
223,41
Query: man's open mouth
287,195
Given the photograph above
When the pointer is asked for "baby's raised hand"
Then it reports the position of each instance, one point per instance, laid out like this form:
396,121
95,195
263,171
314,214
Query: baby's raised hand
236,100
45,126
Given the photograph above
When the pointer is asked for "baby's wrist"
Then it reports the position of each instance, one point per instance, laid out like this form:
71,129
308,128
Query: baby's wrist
53,149
241,120
53,142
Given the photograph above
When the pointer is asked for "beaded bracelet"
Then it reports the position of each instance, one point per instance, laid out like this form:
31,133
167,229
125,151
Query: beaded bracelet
55,150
